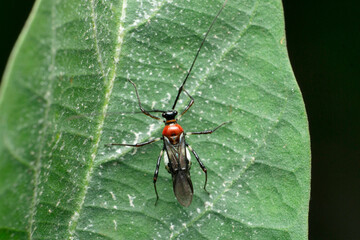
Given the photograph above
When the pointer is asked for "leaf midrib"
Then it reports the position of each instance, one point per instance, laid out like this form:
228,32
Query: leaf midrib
108,90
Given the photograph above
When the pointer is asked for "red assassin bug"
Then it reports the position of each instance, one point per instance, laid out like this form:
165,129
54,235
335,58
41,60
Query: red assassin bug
177,158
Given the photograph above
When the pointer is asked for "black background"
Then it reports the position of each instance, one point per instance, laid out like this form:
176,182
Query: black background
323,39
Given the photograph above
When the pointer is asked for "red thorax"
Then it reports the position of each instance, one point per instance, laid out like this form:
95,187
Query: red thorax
172,132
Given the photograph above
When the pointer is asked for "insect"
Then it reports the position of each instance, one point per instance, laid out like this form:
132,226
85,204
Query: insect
177,155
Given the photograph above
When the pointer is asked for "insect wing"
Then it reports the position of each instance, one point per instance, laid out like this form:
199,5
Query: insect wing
179,168
176,153
183,187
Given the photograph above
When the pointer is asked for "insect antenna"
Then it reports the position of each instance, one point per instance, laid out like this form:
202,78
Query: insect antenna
197,54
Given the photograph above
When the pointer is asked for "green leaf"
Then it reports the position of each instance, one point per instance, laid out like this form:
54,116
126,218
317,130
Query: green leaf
58,180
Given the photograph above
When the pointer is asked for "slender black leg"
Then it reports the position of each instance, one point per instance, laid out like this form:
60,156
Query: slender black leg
134,145
189,105
157,173
200,163
141,108
208,131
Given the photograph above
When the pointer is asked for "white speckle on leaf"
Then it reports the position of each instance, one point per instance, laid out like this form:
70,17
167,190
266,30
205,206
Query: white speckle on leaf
208,205
113,196
151,129
131,200
172,226
153,104
119,151
115,224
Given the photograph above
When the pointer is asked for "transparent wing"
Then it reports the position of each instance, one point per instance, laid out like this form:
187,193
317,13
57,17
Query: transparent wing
183,188
179,167
176,154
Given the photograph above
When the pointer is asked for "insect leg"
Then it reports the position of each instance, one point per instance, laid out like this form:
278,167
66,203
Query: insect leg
200,163
134,145
141,108
208,131
189,105
157,173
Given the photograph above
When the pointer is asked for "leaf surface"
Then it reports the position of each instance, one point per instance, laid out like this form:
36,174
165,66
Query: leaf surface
57,178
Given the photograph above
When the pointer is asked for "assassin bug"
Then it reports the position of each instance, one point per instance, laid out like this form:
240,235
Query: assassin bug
177,157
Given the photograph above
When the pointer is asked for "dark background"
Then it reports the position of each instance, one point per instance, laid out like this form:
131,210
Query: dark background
323,39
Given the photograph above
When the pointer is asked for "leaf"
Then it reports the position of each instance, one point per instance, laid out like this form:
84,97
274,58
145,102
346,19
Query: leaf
58,180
